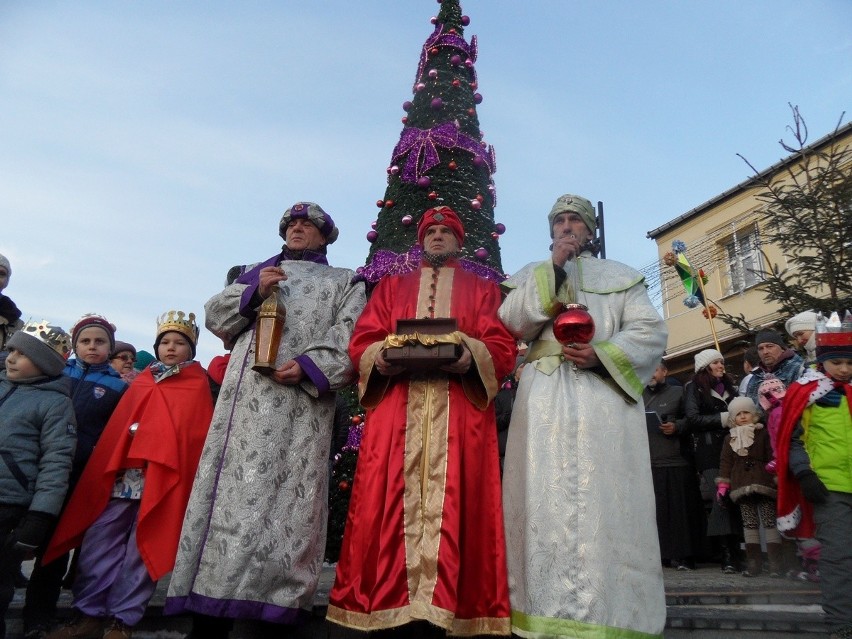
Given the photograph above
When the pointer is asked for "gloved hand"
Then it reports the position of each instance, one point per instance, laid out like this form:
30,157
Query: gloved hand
722,491
33,530
812,487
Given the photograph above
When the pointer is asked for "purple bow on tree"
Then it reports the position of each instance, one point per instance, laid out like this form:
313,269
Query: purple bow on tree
421,145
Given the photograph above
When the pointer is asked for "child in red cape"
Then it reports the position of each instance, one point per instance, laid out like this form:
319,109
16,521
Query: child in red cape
128,507
815,468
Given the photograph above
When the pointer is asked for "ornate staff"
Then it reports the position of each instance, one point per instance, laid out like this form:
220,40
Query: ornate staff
693,281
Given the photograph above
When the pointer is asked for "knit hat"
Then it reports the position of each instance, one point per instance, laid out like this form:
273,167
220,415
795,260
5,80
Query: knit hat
178,322
441,215
4,261
768,336
143,358
772,386
805,321
93,319
739,404
314,214
46,346
573,204
705,357
122,347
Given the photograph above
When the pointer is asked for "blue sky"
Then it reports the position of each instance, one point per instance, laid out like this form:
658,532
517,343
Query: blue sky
145,147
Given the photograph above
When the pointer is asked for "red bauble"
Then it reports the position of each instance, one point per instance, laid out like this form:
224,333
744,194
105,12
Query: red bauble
574,325
380,203
356,419
343,485
432,195
433,51
390,204
452,166
456,83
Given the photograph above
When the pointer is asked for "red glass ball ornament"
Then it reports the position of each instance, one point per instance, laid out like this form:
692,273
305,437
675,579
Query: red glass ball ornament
356,419
433,51
479,197
453,31
471,112
456,83
380,203
574,325
404,120
343,485
452,166
389,203
432,195
494,235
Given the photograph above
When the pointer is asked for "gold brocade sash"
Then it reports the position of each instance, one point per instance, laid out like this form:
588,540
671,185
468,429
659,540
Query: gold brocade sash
398,341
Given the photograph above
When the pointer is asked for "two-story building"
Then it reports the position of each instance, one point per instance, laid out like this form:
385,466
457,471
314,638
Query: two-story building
723,238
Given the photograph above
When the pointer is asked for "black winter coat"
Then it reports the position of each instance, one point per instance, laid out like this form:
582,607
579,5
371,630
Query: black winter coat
707,422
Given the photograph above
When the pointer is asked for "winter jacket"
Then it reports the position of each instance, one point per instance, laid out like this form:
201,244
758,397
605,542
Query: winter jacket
37,441
95,391
667,450
706,421
747,475
788,369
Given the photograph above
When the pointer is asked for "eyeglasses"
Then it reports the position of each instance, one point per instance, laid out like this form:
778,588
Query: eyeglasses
125,357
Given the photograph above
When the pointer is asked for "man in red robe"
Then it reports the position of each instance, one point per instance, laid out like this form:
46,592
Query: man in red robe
424,538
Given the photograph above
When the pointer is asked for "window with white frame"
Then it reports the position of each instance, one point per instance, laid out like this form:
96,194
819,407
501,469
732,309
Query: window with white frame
742,255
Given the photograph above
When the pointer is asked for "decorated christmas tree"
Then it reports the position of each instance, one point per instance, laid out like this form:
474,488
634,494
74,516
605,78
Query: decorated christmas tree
440,159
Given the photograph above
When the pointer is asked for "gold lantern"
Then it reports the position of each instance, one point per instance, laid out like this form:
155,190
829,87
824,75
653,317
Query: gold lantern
267,333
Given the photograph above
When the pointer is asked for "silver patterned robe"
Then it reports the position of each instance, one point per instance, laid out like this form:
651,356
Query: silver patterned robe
581,536
254,533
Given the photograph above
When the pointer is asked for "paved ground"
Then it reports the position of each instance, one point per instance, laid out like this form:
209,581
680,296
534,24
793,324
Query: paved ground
702,604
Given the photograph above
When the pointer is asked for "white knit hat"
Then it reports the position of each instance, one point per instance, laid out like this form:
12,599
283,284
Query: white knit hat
804,321
738,405
703,359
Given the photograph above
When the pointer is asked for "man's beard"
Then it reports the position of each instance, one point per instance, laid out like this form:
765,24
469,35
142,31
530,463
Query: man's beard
439,260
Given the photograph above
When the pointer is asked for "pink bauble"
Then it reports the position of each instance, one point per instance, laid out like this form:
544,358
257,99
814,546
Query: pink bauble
481,253
574,325
475,205
433,19
478,161
394,170
433,73
419,87
373,224
468,63
407,220
372,236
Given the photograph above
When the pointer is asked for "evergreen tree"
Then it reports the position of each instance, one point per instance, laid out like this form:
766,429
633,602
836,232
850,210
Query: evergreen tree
440,159
808,215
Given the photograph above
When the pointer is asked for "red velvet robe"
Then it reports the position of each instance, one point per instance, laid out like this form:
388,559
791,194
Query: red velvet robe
173,418
424,536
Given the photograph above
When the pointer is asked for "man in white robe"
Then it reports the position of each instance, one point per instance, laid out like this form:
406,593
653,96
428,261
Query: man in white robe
582,547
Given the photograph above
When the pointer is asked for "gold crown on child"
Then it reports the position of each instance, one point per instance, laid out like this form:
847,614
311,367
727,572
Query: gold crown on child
180,322
47,333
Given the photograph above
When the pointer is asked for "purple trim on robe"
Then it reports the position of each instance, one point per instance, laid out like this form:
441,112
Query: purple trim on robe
314,374
234,609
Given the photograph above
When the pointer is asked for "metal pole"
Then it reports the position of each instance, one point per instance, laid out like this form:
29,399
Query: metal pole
601,234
